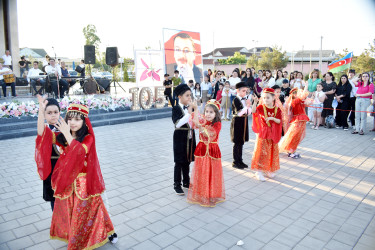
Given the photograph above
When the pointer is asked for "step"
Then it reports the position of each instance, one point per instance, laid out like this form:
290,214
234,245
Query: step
16,129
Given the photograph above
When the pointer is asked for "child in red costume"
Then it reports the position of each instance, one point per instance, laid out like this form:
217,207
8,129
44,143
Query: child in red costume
267,124
295,104
207,185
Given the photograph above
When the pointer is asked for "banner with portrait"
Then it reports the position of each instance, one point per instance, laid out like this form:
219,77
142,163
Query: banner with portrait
149,67
182,51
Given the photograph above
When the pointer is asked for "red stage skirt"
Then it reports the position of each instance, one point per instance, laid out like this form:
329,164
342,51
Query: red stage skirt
207,182
293,137
265,156
81,222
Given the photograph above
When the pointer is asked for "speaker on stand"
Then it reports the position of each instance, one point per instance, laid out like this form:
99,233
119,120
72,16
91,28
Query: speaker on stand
111,59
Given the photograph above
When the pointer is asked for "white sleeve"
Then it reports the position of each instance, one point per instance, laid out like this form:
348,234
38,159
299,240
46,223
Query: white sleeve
243,111
183,120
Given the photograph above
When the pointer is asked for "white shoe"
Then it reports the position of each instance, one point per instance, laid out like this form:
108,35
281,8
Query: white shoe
270,175
113,238
259,176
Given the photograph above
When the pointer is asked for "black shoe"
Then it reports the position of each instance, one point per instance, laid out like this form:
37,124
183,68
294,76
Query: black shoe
113,238
186,185
239,166
179,190
244,165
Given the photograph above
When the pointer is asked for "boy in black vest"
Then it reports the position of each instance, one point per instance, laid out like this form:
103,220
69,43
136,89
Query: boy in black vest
239,129
183,137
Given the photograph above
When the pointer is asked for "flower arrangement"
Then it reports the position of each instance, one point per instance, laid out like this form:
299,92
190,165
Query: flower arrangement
30,108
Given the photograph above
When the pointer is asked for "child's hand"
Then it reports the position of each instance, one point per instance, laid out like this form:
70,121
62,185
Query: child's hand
270,119
248,103
256,99
63,126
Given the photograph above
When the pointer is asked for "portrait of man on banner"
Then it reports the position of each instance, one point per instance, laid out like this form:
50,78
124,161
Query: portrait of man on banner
183,53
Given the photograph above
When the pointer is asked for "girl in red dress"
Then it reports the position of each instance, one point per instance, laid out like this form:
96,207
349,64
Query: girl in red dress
79,217
295,104
267,124
207,182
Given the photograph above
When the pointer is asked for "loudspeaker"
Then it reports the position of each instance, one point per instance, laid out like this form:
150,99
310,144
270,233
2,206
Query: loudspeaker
79,69
111,56
104,83
89,54
20,81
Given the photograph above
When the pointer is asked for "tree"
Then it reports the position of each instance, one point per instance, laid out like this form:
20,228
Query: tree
252,62
365,63
265,61
279,59
89,32
237,58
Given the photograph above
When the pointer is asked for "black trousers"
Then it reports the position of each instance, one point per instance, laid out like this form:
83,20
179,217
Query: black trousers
63,87
237,153
352,108
52,205
170,99
184,169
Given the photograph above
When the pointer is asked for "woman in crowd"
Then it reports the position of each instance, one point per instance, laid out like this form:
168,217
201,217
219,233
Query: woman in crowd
329,89
363,101
291,79
343,98
258,80
279,78
249,79
267,81
210,76
197,94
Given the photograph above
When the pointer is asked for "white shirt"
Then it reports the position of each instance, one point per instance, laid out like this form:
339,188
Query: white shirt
185,119
225,90
271,82
233,81
4,69
7,60
51,70
298,84
205,86
245,109
45,63
33,72
318,94
354,89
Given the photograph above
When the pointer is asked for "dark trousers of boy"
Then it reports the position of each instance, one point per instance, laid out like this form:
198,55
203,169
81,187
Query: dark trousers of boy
63,87
352,108
237,153
184,169
12,86
169,98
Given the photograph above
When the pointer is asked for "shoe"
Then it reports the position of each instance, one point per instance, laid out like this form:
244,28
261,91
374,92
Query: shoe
294,156
179,190
113,238
270,175
244,165
259,176
361,133
316,127
186,185
337,126
239,166
354,132
313,127
346,129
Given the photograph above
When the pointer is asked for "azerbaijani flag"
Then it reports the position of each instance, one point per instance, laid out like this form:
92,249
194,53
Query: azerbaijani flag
341,64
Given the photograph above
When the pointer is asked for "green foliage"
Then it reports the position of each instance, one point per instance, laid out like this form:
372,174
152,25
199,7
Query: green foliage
237,58
89,32
252,62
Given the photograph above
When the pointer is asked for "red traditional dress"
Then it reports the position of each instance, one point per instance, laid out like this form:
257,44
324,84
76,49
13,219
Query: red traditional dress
207,182
80,217
297,129
266,151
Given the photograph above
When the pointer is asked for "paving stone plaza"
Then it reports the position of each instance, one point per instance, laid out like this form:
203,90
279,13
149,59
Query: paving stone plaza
325,200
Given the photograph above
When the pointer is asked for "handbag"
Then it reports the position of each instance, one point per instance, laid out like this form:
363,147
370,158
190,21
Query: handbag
10,78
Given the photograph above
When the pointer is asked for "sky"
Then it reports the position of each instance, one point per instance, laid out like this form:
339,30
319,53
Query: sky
129,25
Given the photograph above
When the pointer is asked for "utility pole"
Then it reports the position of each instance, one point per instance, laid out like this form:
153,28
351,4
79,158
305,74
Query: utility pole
320,54
302,62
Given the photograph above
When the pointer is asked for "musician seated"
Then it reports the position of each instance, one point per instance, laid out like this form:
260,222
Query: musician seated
34,78
6,71
55,71
65,73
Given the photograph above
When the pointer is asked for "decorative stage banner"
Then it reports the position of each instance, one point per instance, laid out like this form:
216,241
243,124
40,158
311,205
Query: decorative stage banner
149,68
182,51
